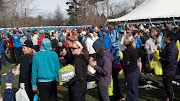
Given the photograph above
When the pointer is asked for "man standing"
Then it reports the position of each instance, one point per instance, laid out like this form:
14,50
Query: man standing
17,44
169,63
45,68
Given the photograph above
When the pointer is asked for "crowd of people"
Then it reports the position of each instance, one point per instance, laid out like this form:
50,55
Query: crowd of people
37,53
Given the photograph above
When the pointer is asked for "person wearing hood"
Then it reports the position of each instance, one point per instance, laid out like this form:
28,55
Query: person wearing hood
77,86
103,69
45,68
131,70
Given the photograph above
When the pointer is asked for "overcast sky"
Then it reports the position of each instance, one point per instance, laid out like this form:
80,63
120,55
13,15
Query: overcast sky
44,7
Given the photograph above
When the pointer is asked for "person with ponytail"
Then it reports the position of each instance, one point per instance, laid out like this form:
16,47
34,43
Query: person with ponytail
26,68
131,70
77,86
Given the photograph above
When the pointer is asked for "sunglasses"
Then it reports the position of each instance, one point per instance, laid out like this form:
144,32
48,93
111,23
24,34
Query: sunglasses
74,48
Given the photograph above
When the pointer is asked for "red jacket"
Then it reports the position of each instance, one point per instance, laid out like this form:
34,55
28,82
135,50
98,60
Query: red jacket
40,40
10,42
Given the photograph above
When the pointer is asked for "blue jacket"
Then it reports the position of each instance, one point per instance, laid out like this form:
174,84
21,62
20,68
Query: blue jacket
16,40
2,50
106,41
45,65
138,42
101,35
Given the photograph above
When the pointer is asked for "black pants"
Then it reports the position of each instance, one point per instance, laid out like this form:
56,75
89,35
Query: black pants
3,59
12,54
48,90
18,53
103,93
76,95
168,85
132,85
117,91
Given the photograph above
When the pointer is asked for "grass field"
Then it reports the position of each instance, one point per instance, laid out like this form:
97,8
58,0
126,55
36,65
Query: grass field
92,95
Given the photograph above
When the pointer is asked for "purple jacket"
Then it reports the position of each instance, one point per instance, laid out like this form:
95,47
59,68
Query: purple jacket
104,69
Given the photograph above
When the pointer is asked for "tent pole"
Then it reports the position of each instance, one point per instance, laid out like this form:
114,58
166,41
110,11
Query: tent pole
125,22
150,21
174,21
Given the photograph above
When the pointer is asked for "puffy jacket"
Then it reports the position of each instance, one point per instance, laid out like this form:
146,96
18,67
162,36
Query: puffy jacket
169,59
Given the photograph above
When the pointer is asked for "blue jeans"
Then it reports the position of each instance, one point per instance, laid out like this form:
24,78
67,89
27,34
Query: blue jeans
132,85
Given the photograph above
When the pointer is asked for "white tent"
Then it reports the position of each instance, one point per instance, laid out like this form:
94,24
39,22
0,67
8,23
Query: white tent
152,9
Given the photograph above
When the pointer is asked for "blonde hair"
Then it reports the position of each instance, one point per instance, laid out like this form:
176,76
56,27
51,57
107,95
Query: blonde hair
130,38
31,51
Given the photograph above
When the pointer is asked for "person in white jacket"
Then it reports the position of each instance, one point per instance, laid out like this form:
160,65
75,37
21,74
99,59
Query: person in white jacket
35,39
150,45
89,43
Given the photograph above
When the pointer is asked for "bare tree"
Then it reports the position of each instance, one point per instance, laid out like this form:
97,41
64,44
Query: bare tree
58,16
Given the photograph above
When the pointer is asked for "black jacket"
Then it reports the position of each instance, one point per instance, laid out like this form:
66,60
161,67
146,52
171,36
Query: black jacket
79,81
25,71
69,57
169,59
130,57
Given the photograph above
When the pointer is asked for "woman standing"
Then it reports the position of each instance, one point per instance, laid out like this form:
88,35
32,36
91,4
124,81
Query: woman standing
103,69
89,43
78,84
131,70
67,54
26,67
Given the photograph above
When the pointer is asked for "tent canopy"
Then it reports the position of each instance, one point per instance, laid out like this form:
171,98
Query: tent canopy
152,9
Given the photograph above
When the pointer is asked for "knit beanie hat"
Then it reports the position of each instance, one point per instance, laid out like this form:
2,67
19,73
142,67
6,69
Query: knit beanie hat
28,43
98,44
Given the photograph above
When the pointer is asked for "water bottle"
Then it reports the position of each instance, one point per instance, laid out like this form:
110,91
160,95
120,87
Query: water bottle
35,96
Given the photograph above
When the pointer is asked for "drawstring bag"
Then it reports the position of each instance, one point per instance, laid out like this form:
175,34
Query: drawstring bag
156,65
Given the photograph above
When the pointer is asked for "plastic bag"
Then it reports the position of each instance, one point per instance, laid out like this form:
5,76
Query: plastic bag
178,46
21,94
110,88
66,73
156,65
91,85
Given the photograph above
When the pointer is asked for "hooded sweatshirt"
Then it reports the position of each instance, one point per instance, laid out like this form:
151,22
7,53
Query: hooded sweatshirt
104,69
45,65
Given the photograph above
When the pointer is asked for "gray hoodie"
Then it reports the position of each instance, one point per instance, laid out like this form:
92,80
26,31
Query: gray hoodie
104,69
